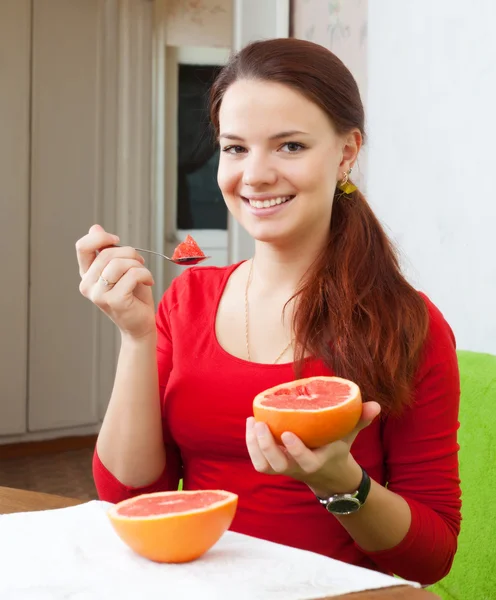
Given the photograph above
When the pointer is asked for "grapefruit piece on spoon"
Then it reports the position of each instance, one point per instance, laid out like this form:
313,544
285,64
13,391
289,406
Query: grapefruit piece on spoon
188,251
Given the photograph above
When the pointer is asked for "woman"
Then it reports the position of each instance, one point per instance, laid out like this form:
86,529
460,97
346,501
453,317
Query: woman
322,295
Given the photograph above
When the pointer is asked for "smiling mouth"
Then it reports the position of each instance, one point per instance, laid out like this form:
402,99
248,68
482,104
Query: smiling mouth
267,203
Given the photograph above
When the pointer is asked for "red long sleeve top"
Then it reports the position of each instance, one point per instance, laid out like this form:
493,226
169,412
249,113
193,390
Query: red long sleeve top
206,396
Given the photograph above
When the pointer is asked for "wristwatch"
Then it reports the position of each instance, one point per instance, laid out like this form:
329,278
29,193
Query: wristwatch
346,504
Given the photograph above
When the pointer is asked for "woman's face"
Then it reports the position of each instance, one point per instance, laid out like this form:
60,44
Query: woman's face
280,161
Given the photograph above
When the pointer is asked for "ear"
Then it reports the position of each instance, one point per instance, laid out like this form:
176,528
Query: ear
351,144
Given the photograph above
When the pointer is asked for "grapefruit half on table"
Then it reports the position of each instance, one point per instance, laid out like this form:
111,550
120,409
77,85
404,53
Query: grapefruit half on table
319,410
174,527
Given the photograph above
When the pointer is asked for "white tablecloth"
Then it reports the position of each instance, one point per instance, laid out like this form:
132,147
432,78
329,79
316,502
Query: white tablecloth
73,553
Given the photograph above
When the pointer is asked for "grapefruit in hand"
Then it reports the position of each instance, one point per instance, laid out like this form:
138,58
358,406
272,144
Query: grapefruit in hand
174,527
319,410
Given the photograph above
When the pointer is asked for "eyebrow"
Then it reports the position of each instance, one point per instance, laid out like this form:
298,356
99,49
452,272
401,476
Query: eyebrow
277,136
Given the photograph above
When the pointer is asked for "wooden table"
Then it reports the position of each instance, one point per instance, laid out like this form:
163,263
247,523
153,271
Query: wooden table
13,500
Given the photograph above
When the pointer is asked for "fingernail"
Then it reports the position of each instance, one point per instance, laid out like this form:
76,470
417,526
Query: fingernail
260,429
288,438
116,239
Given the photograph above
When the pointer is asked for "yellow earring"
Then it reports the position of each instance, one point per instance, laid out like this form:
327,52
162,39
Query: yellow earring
345,185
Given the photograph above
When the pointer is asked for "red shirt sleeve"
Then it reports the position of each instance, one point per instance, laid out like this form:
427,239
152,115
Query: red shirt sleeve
421,453
109,488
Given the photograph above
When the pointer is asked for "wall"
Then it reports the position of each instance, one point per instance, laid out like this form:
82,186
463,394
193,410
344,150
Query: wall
432,125
427,77
74,137
341,26
15,56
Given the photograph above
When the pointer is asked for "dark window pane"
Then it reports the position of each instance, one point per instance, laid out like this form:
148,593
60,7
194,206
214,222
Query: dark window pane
199,202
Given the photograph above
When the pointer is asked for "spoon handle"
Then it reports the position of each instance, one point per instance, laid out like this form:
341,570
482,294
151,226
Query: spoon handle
153,252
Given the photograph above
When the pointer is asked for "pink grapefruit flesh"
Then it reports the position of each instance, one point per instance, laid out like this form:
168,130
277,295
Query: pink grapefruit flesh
318,410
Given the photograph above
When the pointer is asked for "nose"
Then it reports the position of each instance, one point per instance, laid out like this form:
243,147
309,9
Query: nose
257,171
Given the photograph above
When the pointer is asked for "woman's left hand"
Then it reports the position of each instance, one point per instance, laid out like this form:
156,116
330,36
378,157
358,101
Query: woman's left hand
327,470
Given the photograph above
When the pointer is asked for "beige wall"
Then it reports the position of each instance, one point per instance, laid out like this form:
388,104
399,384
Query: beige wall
56,151
92,153
15,57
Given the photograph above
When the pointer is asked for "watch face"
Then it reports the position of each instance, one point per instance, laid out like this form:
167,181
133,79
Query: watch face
343,506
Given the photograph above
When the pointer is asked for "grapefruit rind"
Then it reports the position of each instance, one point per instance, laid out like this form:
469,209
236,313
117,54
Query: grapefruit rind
314,427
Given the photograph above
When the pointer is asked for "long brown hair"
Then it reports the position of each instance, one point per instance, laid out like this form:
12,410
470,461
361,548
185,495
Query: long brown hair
355,309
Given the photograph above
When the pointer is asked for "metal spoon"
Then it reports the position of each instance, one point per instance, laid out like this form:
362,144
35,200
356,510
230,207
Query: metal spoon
185,261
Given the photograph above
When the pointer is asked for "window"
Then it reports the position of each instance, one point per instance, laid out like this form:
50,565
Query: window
199,201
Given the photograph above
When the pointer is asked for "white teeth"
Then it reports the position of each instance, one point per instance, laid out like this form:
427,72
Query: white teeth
269,203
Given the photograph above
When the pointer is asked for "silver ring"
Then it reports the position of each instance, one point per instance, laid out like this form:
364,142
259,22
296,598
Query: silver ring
106,282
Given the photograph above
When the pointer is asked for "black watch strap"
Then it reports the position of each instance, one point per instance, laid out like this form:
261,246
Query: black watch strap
363,488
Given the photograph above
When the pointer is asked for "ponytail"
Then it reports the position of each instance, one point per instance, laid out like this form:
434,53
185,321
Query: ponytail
356,311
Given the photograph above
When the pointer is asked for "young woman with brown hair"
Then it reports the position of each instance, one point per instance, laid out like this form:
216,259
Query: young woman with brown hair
323,294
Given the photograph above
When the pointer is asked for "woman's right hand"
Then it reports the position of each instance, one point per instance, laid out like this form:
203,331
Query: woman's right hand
127,299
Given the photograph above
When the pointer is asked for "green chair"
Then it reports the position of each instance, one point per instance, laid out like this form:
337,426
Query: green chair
473,575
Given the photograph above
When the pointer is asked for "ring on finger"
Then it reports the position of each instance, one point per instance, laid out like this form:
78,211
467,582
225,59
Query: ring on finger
106,282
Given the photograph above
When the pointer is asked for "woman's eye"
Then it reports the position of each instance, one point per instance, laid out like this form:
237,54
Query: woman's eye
292,147
233,149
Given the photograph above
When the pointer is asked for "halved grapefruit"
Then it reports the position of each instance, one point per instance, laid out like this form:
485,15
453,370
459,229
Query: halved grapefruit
174,527
319,410
187,249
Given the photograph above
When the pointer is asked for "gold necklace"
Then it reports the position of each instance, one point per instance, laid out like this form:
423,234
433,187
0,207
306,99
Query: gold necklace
247,339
